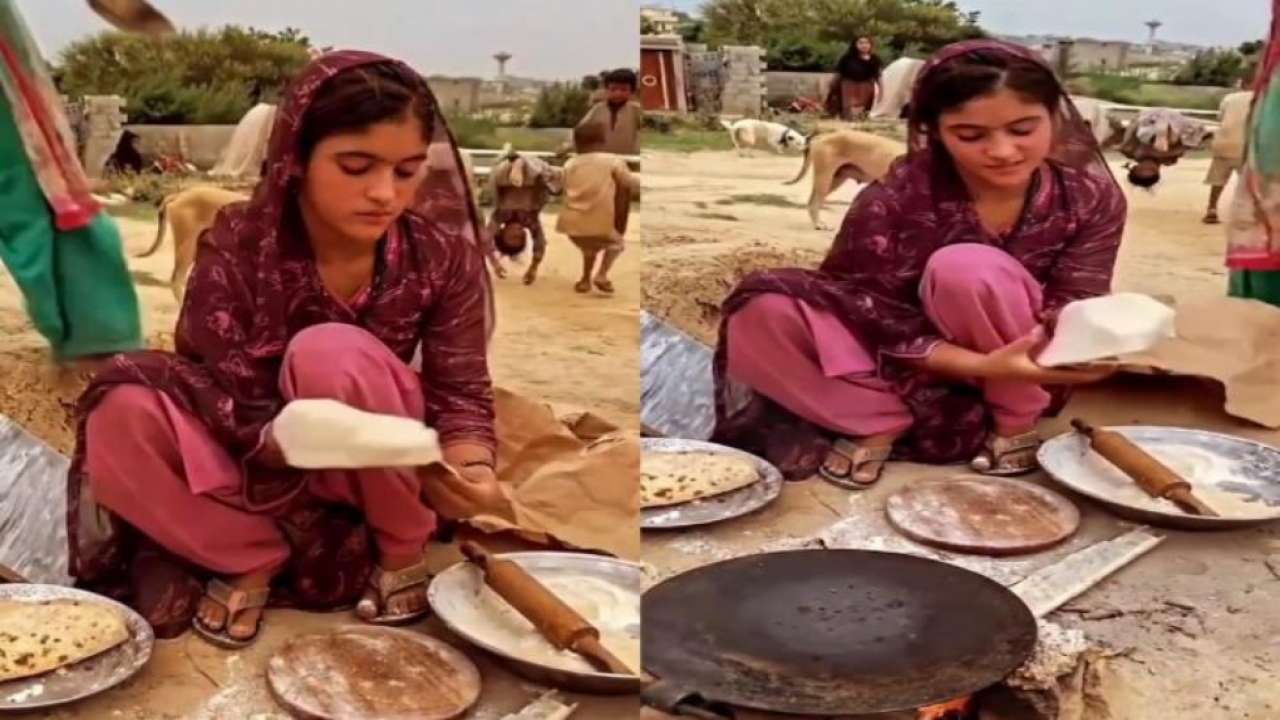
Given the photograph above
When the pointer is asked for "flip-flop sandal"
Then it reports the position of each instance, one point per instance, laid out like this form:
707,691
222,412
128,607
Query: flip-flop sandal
856,478
1211,218
386,583
1004,457
604,286
583,287
234,602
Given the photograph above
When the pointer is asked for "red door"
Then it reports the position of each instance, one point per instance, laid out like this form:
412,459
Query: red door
653,85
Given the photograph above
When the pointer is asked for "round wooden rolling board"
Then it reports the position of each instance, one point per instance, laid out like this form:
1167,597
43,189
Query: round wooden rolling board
387,674
983,515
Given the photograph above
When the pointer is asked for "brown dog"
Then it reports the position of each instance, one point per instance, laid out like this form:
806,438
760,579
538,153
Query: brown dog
190,211
842,155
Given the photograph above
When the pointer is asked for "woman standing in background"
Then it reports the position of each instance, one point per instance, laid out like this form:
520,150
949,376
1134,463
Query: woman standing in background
857,82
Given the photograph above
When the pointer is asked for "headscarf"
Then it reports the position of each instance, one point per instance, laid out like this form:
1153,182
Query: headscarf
1253,226
42,125
444,197
1067,238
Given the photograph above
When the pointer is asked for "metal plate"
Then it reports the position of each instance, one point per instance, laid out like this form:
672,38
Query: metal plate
1238,478
718,507
458,587
832,632
88,677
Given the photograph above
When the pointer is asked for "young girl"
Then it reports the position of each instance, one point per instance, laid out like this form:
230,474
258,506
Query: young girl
918,331
857,81
359,246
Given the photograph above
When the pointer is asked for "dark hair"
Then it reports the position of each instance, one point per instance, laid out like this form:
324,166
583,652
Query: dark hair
977,74
362,96
1144,178
500,239
588,136
622,76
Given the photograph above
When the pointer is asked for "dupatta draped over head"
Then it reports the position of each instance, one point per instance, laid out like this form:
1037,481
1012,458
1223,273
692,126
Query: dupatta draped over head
255,285
1067,238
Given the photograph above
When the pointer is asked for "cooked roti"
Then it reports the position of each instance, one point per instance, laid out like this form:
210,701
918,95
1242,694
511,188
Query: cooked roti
37,637
673,478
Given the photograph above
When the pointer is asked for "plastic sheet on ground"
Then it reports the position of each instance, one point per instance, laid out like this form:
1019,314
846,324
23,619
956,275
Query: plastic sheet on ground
33,506
677,393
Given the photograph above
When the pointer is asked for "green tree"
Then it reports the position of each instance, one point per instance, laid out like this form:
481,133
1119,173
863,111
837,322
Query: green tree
1212,67
200,77
560,105
811,34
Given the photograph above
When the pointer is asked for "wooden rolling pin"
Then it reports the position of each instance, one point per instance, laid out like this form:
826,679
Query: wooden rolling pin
1150,474
558,623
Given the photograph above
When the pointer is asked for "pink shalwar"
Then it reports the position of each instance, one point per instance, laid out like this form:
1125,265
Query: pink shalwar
807,361
159,469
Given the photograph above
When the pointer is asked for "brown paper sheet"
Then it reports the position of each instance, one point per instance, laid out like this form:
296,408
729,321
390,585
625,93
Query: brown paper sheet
573,479
1233,342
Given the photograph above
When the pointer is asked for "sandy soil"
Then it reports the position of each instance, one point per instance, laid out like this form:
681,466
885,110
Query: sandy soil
576,351
1192,616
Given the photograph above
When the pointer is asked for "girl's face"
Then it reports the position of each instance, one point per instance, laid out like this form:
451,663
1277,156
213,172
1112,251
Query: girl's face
358,183
998,140
864,45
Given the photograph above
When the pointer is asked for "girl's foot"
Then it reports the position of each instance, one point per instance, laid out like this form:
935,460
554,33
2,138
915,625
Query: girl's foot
855,465
230,613
583,286
397,592
1211,217
1013,454
604,286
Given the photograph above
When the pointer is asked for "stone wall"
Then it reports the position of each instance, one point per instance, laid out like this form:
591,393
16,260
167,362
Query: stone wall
99,123
704,73
783,87
744,81
200,145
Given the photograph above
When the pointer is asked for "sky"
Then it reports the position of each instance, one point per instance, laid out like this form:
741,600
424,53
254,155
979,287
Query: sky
1202,22
546,38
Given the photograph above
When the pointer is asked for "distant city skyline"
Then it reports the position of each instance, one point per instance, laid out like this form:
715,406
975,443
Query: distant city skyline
444,37
1230,22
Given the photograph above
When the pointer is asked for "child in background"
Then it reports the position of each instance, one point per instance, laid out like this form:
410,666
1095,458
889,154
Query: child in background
521,186
597,189
618,113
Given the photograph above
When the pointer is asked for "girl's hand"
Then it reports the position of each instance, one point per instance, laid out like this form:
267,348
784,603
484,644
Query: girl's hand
466,493
1015,362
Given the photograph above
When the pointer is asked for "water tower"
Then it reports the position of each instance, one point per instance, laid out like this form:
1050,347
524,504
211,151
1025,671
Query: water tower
502,59
1152,26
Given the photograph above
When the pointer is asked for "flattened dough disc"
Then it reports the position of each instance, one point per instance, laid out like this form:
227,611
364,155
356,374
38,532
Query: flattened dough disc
373,673
983,515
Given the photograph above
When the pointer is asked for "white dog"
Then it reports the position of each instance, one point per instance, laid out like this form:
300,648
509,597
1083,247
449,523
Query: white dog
749,132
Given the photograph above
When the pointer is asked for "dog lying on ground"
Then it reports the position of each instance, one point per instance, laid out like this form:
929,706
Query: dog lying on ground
843,155
190,211
747,133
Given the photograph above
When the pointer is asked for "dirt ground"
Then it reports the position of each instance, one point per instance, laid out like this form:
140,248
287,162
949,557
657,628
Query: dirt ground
1196,620
575,351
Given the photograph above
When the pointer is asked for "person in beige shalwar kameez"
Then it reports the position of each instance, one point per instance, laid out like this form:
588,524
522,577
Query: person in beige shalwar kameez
597,200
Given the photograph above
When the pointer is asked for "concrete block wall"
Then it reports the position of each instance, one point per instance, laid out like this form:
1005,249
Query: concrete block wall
744,84
100,121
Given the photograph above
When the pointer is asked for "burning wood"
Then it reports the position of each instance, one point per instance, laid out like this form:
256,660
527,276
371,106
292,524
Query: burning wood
958,709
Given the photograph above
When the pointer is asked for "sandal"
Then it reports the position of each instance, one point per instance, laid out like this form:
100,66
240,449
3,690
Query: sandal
857,477
235,602
604,286
582,286
386,583
1211,218
1003,456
